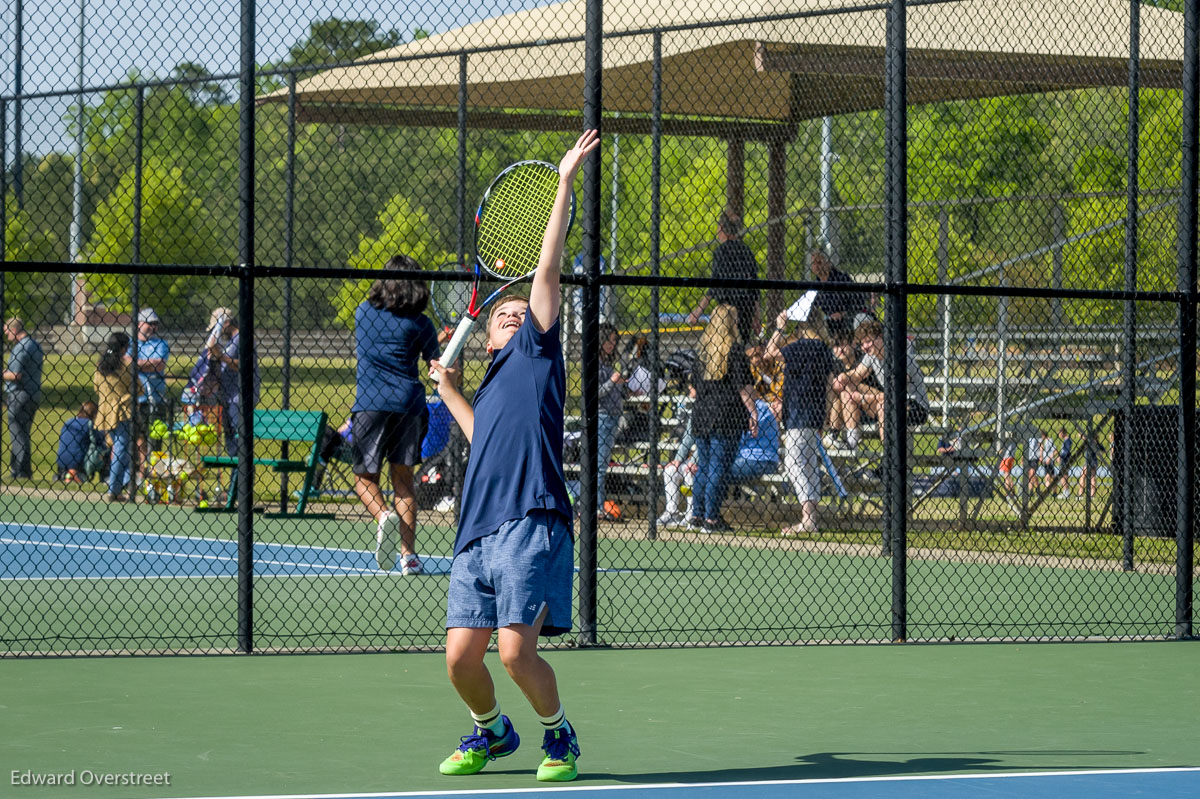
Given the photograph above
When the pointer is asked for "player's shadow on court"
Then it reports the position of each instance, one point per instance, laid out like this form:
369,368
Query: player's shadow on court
843,765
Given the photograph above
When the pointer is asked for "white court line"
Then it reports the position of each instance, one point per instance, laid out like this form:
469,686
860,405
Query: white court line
133,533
740,784
185,555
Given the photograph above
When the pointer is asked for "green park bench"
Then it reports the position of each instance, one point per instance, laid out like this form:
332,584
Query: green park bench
299,427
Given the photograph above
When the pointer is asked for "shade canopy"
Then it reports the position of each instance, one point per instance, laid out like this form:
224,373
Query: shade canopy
525,70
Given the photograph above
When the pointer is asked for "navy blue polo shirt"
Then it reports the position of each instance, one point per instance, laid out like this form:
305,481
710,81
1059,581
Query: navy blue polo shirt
807,365
388,346
517,443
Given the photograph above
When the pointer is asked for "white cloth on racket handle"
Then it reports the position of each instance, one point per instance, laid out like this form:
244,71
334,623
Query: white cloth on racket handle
455,345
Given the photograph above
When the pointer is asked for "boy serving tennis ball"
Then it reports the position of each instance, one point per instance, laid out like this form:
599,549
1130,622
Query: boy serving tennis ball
514,553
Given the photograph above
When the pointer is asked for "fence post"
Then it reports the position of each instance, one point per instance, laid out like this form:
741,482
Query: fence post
592,191
943,306
735,174
1186,280
652,459
1129,309
289,255
245,422
896,353
461,197
776,221
135,288
18,106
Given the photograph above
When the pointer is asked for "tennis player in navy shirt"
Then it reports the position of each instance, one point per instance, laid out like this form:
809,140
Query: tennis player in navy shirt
513,563
389,416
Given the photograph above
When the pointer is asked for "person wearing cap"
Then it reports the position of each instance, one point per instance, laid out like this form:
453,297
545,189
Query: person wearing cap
152,356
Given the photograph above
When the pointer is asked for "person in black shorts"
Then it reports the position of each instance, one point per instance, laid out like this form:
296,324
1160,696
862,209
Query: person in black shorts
389,415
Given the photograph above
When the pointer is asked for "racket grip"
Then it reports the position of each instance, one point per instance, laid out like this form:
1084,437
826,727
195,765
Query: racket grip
455,344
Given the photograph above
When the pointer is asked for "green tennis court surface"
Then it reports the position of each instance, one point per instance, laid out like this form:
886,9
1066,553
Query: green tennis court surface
87,577
372,724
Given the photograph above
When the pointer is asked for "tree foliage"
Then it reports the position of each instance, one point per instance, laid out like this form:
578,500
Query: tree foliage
174,230
362,192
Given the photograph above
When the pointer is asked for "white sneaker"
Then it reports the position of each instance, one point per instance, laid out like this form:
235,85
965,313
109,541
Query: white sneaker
444,505
668,520
412,565
386,533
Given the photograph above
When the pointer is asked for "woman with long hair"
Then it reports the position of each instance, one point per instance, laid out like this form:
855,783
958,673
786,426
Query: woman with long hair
389,416
112,381
723,410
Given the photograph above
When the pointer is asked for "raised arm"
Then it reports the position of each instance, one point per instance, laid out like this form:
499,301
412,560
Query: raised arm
448,387
544,295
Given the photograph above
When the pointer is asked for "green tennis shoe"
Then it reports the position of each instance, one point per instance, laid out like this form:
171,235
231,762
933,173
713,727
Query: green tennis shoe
480,747
561,748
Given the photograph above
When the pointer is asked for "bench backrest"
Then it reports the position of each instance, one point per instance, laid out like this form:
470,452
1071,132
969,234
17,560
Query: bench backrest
276,425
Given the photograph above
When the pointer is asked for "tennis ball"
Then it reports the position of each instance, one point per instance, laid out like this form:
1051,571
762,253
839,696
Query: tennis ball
158,429
195,438
209,438
499,264
202,503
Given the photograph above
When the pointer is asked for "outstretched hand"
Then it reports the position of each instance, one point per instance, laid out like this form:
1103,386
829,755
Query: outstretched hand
575,157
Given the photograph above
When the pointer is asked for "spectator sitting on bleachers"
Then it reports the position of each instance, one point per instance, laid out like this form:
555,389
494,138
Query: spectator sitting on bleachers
76,436
757,455
809,365
680,471
857,397
768,376
848,356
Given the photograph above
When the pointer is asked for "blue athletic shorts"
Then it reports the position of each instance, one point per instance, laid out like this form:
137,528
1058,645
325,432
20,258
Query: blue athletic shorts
510,576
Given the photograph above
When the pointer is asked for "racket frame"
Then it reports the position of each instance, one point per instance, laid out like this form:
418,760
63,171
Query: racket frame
458,339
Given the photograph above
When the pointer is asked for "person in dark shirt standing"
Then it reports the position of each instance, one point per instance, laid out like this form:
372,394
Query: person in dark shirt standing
389,414
733,260
840,307
23,392
724,409
808,367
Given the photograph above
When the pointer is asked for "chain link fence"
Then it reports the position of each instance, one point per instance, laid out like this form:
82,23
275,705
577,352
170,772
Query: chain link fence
879,318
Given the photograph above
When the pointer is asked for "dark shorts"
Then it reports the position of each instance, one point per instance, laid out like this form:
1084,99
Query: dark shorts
387,436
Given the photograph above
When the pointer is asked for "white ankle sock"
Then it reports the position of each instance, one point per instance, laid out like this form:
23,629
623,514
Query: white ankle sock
555,720
490,721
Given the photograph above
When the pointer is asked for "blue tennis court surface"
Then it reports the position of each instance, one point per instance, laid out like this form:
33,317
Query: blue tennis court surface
45,552
36,551
1164,783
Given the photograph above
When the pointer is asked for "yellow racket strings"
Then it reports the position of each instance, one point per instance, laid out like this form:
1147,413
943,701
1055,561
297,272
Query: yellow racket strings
513,224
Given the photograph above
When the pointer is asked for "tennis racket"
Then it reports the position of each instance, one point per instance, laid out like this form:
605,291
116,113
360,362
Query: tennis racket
509,227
